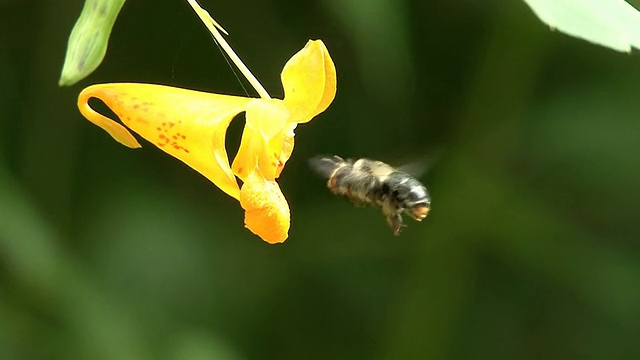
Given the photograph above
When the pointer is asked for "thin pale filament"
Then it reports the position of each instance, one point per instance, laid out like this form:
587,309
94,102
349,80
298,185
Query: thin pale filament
213,27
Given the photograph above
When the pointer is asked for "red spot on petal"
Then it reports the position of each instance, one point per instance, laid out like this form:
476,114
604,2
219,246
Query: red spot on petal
183,137
174,137
240,170
185,150
135,106
171,124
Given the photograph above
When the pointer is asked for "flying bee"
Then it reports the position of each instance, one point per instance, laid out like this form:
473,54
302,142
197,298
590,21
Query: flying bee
370,182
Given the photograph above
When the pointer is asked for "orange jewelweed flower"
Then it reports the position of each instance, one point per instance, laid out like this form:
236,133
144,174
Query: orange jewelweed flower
191,126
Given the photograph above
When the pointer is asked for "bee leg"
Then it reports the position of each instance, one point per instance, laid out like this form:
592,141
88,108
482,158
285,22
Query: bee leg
397,231
358,203
394,218
395,222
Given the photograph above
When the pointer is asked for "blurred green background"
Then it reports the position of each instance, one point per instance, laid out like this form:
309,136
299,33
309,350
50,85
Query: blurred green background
531,250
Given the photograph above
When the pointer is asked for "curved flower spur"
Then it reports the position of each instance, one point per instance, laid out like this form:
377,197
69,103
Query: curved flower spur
191,126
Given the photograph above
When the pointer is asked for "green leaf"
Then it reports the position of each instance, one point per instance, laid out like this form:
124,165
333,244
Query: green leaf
88,40
611,23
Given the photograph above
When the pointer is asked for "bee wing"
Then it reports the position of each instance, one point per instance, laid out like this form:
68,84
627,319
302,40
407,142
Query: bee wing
325,165
419,167
415,169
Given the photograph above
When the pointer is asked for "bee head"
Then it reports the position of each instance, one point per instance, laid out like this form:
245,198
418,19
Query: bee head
418,202
418,195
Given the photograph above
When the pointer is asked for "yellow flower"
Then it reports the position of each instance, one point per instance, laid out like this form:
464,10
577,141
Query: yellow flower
191,126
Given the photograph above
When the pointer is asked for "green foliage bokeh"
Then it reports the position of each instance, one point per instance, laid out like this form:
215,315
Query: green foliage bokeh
531,250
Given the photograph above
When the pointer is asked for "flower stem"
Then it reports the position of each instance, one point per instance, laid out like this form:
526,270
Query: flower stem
213,27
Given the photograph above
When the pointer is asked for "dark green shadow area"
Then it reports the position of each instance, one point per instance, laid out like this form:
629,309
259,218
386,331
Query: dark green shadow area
530,252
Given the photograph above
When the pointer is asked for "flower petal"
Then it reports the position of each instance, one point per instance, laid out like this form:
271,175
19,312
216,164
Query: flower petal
309,81
188,125
285,143
262,141
266,210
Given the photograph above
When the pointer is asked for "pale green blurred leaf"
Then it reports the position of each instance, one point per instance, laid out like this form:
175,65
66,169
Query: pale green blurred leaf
200,345
611,23
89,39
